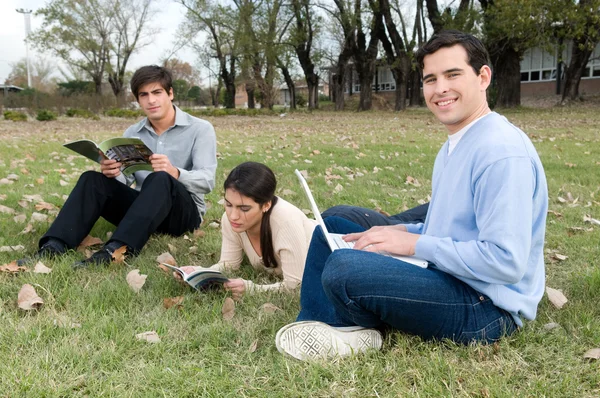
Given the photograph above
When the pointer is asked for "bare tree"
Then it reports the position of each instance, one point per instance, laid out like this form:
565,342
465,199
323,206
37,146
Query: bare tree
221,23
130,29
302,36
78,32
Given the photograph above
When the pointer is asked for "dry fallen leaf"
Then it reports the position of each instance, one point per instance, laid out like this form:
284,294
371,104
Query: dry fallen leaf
40,268
28,228
253,346
556,297
90,240
228,309
594,353
28,299
39,217
6,210
44,206
21,218
198,233
172,248
589,219
551,326
119,254
12,267
270,308
166,258
135,280
560,257
173,301
150,337
16,248
63,321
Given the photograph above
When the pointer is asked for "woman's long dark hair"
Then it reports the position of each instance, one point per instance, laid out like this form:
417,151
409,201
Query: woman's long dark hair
257,181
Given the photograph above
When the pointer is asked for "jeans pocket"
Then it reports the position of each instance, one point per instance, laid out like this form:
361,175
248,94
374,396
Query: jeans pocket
503,325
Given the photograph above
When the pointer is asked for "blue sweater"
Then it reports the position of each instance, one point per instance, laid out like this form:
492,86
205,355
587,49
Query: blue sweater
487,217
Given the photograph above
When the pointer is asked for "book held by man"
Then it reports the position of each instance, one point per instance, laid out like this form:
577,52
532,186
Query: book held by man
200,279
132,153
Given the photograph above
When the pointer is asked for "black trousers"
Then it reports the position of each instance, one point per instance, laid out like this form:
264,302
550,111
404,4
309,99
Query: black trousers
368,218
162,205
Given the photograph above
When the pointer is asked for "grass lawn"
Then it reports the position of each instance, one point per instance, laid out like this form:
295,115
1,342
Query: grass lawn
82,342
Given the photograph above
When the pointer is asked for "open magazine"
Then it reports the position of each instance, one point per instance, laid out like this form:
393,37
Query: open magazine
132,153
200,279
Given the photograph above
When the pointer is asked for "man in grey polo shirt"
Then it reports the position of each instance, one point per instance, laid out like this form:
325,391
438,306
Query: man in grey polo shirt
168,200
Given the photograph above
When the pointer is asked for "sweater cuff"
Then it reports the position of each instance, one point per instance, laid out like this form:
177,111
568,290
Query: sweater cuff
426,247
413,228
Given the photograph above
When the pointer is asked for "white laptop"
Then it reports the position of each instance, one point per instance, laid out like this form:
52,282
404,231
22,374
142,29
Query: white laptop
335,241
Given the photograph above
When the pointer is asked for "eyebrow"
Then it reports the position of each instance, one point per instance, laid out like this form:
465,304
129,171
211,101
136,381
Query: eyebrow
153,91
242,205
444,72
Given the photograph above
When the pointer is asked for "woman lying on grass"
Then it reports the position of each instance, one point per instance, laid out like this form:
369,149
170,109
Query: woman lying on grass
273,233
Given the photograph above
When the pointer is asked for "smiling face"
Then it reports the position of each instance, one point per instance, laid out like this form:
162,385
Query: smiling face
453,91
243,213
156,102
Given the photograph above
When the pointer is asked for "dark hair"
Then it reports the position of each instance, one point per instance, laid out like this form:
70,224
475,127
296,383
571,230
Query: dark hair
257,181
151,74
476,51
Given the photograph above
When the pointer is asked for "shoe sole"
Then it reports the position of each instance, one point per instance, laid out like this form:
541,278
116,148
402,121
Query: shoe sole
310,340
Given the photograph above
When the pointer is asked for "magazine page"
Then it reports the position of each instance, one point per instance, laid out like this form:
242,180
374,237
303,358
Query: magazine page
205,278
176,269
132,153
87,148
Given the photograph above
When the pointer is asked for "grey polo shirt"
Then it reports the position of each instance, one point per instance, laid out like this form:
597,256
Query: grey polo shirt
191,146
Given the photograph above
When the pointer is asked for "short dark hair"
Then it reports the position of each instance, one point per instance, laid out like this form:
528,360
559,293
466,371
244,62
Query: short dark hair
151,74
257,181
477,55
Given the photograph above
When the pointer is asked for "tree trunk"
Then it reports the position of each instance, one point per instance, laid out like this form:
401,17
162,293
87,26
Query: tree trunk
216,94
414,81
290,83
579,59
508,77
312,82
365,101
250,93
98,84
228,77
339,82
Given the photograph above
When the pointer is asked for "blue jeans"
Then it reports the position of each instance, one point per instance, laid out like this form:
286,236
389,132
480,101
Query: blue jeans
354,287
368,218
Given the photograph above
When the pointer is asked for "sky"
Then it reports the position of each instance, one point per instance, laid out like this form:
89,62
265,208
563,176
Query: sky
12,35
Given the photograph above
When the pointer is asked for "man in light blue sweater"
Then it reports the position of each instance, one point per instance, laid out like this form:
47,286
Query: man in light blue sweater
483,235
169,200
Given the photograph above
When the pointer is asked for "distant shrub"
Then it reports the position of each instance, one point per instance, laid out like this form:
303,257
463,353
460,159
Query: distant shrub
15,116
231,112
45,115
324,98
83,113
300,100
118,112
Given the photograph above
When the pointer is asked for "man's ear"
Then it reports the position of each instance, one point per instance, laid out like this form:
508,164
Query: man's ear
485,77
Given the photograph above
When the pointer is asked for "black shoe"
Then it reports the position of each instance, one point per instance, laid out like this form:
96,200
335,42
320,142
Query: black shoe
101,257
49,250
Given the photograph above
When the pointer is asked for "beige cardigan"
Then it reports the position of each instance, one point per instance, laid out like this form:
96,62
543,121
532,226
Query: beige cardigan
291,231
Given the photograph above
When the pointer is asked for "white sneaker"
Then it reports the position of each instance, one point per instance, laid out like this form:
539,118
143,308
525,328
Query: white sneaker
317,340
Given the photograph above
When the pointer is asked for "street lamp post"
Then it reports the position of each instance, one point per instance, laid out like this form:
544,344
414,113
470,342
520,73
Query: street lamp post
27,13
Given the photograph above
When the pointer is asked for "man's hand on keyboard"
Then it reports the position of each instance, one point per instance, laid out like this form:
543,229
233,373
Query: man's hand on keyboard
391,239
